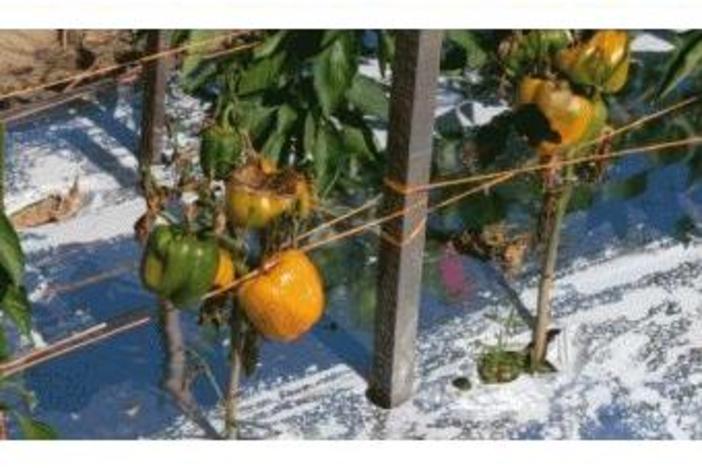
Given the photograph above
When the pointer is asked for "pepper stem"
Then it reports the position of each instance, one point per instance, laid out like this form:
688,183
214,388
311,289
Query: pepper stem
236,349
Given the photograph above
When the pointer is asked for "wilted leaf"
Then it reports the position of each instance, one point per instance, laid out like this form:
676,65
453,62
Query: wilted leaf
15,305
334,69
34,429
11,256
686,61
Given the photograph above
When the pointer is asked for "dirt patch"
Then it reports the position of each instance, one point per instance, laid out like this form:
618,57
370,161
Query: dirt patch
34,57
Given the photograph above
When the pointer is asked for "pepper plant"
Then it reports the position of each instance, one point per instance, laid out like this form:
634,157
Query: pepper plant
15,400
302,101
555,85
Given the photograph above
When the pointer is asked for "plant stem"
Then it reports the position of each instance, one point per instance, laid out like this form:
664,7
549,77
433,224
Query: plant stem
236,325
3,426
176,379
555,204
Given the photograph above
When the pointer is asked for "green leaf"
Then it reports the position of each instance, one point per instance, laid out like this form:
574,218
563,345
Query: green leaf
686,61
357,136
447,157
178,36
274,145
581,198
255,117
287,116
449,126
11,256
194,54
278,139
355,143
386,51
262,74
482,209
196,79
334,69
34,429
476,57
627,188
15,304
327,156
270,45
4,347
369,96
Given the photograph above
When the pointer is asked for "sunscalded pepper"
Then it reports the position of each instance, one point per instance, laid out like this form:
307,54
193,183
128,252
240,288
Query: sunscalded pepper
257,193
573,117
601,61
180,266
220,147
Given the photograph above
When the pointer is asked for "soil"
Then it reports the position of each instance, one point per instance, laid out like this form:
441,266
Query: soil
33,57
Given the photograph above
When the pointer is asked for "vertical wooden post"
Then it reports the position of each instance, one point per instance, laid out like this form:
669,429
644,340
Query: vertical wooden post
153,111
414,82
2,165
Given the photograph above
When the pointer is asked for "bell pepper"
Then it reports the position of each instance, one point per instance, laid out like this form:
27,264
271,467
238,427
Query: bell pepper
602,61
254,208
286,299
257,193
573,117
220,147
520,52
178,265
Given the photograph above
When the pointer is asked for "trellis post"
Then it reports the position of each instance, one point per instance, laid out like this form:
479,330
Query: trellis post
414,80
153,110
2,165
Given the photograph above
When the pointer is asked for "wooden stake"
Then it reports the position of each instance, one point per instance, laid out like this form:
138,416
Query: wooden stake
415,73
153,112
2,166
